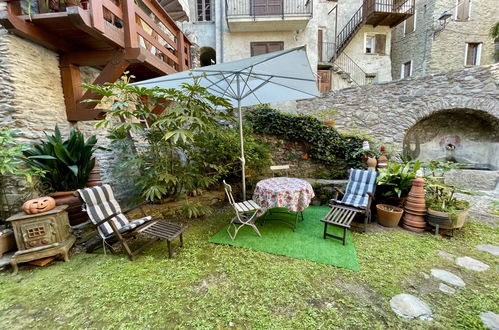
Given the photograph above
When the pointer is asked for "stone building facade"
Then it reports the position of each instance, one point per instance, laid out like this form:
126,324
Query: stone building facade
441,45
448,116
32,99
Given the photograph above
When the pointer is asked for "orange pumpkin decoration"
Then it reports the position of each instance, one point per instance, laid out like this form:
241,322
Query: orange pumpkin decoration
39,205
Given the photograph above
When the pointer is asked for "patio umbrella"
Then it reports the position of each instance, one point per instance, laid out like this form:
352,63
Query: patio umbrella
279,76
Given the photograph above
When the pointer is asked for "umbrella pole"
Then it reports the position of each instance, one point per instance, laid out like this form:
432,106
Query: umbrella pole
243,160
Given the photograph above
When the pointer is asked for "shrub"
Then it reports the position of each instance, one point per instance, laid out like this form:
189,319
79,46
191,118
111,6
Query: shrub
186,148
67,163
327,145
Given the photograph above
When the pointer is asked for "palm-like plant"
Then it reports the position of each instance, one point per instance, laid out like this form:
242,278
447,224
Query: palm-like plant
67,163
398,178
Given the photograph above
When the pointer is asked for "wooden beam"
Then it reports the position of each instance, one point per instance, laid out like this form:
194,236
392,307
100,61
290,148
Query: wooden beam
81,19
111,72
23,29
88,58
180,51
130,26
97,15
71,81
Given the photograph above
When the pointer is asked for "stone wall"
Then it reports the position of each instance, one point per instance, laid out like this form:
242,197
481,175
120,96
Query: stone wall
32,100
433,49
388,110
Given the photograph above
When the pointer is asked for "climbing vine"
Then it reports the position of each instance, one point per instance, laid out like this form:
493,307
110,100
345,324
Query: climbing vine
326,144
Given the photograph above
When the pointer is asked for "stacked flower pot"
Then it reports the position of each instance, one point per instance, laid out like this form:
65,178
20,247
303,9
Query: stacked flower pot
415,208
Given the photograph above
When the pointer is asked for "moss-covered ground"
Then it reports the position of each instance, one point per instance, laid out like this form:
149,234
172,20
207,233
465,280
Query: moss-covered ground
216,286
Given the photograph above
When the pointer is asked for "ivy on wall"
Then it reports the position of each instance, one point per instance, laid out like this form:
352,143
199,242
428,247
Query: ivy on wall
326,144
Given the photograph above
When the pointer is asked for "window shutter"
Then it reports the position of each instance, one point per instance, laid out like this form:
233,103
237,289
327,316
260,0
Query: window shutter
409,25
275,46
463,10
380,44
259,48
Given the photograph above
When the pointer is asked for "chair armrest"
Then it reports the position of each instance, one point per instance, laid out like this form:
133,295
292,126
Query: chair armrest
106,219
338,192
333,201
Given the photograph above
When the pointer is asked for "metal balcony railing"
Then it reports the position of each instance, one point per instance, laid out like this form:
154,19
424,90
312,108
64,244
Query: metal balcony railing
268,8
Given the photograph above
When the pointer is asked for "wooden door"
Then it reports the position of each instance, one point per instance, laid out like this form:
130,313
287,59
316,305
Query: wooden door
325,80
267,7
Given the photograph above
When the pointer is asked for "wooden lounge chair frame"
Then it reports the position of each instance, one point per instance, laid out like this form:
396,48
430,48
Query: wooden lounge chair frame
121,237
342,215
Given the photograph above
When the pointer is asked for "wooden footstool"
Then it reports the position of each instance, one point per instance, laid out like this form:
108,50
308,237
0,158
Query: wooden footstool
167,231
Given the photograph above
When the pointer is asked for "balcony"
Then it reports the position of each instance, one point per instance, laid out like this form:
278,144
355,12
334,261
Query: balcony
376,13
138,36
387,12
267,15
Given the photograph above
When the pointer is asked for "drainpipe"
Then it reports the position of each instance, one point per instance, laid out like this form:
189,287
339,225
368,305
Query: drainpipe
221,11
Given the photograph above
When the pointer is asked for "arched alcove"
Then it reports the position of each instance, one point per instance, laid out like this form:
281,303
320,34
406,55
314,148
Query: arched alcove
207,56
461,135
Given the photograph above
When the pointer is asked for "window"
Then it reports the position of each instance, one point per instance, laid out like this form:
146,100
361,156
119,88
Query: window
463,10
410,24
406,70
370,42
473,52
204,10
265,47
375,44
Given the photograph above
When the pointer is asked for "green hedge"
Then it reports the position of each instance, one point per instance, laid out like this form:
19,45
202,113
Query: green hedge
326,144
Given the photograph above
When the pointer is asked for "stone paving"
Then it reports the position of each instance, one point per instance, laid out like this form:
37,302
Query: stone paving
472,264
411,307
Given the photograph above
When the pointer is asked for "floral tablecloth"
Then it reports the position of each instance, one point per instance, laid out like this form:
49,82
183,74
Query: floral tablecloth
293,194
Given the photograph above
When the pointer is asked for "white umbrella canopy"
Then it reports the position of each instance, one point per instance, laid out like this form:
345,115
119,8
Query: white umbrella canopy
279,76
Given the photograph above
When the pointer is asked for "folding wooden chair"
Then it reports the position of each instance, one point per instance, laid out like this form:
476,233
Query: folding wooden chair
280,168
357,199
246,213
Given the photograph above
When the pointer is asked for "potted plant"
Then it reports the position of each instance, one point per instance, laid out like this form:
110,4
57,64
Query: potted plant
444,209
388,215
67,164
368,154
11,166
395,182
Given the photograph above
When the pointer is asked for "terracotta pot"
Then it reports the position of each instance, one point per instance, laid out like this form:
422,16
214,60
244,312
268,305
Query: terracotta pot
414,206
94,178
444,219
414,221
70,198
7,242
371,162
330,122
382,161
388,215
413,229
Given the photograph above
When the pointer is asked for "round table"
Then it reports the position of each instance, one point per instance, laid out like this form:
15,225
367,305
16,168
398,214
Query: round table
290,193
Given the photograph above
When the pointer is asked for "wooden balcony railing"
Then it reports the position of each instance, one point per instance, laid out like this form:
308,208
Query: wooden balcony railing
113,35
124,23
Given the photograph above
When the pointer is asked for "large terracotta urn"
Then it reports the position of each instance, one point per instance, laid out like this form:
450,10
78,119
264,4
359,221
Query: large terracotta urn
70,198
415,208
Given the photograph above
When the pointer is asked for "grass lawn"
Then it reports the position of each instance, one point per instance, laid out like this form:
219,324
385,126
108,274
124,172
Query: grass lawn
217,286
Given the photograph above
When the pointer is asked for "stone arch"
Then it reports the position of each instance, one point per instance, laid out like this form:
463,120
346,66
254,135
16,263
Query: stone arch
462,135
208,56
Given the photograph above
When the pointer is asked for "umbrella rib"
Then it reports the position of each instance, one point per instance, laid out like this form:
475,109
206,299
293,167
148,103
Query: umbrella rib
214,84
277,76
295,89
246,82
258,87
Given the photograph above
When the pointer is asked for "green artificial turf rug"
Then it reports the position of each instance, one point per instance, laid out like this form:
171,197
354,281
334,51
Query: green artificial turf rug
304,243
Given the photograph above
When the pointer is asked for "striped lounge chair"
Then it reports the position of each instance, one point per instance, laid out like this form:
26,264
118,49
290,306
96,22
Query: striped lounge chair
357,199
112,224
